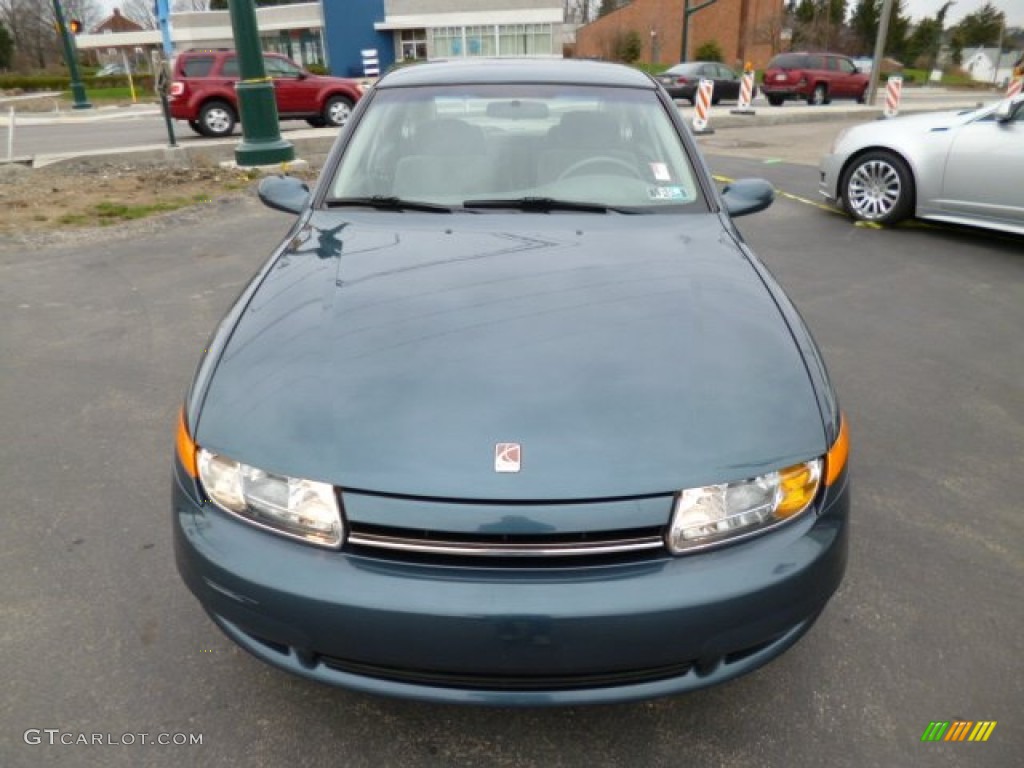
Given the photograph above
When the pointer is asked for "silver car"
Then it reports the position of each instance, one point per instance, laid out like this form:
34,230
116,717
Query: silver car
961,167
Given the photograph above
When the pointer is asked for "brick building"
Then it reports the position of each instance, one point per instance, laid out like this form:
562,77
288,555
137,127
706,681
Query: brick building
745,30
114,23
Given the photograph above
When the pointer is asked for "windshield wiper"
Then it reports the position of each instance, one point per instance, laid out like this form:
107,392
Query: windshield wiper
545,204
387,203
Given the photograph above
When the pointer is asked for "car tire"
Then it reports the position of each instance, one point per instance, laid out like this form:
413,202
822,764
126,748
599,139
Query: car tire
714,101
775,101
196,126
818,96
878,187
863,97
316,122
217,118
337,110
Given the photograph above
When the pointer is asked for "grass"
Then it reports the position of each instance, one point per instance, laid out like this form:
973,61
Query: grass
118,95
952,79
108,212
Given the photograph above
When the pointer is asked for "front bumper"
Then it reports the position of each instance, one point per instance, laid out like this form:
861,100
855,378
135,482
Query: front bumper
524,636
829,171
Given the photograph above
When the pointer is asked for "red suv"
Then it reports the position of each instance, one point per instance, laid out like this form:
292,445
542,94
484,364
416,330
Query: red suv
815,77
202,91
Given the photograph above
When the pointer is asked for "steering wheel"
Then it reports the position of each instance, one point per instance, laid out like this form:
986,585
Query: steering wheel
618,163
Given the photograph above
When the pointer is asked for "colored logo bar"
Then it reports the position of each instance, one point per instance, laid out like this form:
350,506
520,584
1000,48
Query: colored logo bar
958,730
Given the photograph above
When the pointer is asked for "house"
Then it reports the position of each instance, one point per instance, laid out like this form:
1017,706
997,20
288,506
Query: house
745,30
989,65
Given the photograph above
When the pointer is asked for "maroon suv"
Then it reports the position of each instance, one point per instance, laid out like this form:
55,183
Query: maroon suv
202,91
816,78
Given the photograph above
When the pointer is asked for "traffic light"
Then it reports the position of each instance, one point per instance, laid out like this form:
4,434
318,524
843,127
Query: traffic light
74,26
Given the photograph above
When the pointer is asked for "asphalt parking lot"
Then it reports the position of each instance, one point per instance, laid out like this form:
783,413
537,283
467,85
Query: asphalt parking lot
921,328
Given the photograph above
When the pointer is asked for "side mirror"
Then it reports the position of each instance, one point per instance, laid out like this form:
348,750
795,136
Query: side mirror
1007,109
284,193
745,196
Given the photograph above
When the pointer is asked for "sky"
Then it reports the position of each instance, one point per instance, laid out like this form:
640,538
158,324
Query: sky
916,9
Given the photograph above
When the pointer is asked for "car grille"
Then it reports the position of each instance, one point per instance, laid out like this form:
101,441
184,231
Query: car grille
573,545
508,682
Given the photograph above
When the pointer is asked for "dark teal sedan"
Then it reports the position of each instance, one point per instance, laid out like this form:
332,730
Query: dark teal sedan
513,416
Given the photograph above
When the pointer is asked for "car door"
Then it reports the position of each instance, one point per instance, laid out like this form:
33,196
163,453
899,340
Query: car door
841,77
984,169
727,83
295,96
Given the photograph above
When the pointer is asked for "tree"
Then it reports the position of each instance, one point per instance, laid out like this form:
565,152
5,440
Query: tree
6,47
864,23
981,28
628,46
141,12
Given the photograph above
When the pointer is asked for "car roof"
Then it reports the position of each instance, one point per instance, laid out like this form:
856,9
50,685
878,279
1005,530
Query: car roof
483,71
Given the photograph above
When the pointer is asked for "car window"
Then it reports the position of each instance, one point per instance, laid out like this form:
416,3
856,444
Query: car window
277,67
198,66
682,69
815,62
725,73
230,67
845,66
788,61
449,144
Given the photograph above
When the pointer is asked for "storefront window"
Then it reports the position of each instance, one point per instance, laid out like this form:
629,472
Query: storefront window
480,41
525,40
413,44
447,42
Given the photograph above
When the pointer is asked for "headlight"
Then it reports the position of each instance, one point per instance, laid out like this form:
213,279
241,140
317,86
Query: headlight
714,514
302,509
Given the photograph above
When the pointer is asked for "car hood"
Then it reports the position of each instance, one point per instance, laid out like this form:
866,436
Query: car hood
626,355
915,125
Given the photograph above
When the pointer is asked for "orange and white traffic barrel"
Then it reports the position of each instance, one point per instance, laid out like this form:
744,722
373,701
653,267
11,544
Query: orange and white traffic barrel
705,90
1015,87
893,93
746,93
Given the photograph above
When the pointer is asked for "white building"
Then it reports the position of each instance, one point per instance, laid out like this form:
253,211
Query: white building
989,65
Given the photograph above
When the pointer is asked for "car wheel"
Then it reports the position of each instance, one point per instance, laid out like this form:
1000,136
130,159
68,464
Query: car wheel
714,101
878,187
775,101
863,97
196,126
316,122
217,118
818,95
337,111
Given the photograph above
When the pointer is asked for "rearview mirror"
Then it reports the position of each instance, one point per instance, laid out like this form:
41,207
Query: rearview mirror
745,196
284,193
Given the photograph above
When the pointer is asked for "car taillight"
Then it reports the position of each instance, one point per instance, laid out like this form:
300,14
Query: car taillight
681,81
177,88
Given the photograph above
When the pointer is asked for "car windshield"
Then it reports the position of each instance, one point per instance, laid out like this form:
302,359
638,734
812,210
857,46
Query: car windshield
518,146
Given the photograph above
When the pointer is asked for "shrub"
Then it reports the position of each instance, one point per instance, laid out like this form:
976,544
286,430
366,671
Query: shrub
628,46
316,69
710,51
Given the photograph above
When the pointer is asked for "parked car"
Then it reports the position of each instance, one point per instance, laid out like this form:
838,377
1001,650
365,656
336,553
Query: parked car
109,70
513,415
816,78
963,167
202,92
682,81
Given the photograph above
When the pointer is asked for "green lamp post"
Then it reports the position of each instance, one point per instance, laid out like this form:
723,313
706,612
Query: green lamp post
77,89
261,133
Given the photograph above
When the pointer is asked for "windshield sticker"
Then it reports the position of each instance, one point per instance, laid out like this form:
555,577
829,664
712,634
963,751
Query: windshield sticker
660,171
666,193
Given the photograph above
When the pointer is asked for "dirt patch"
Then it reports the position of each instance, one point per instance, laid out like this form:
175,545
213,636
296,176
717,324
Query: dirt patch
33,202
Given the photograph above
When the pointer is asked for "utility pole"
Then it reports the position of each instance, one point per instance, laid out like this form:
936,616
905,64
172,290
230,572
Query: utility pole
876,66
261,132
163,20
687,13
77,89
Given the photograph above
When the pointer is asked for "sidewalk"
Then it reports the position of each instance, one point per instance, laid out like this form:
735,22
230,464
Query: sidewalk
71,116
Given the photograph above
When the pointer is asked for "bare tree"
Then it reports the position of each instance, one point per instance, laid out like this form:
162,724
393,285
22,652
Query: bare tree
183,6
31,24
141,12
